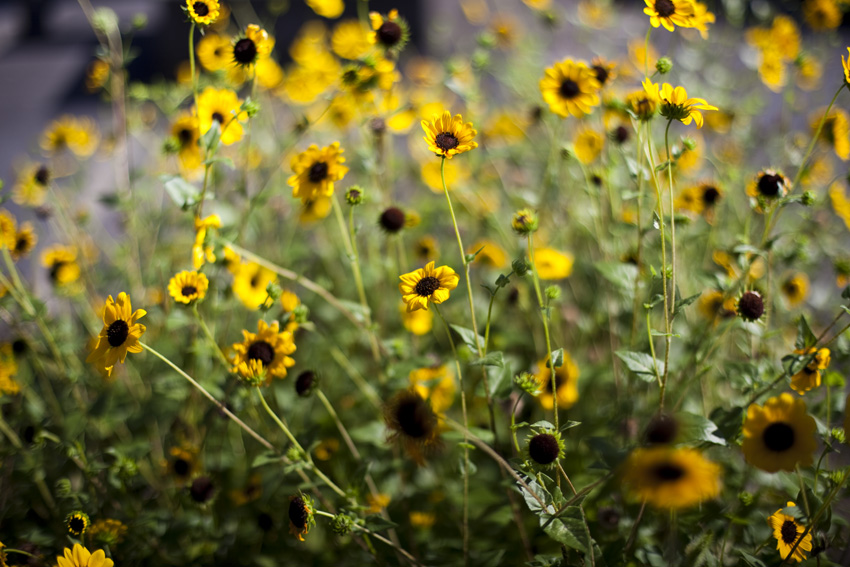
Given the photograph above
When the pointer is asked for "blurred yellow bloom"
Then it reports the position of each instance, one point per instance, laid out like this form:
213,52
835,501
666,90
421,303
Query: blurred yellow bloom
331,9
822,15
31,185
250,282
436,384
77,134
419,322
350,40
221,106
552,264
795,288
455,173
840,202
835,131
491,253
214,52
201,252
588,145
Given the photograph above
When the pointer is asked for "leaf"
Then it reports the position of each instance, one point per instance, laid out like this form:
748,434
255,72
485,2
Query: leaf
620,274
793,363
183,193
751,561
569,425
557,358
376,523
682,303
265,459
500,381
805,337
496,358
610,454
795,512
834,380
567,528
693,427
641,364
468,337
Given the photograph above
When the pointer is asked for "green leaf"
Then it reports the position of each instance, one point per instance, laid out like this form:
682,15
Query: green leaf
468,337
536,490
693,427
557,359
641,364
751,561
567,528
496,358
265,458
569,425
846,293
805,337
795,512
793,363
610,454
376,523
682,303
500,381
834,380
222,159
183,193
620,274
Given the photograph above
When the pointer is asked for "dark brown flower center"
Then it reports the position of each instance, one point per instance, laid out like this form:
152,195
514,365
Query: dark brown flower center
55,269
188,290
318,172
181,467
662,430
788,532
543,448
668,472
778,436
751,306
710,195
621,134
665,8
77,525
202,489
305,382
770,185
413,417
245,51
389,33
298,513
21,244
446,141
42,175
218,117
201,8
427,286
262,351
185,134
601,73
569,88
117,333
392,219
791,288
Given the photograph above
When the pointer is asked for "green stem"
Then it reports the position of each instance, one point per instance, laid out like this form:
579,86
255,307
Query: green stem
339,425
210,336
192,63
815,139
544,314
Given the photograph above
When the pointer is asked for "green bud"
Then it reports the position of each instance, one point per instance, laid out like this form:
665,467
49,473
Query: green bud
354,195
528,383
294,455
566,153
524,221
520,266
838,434
105,20
503,280
63,488
273,291
301,314
487,40
553,292
745,498
140,21
341,524
480,59
251,107
689,143
663,65
808,199
171,146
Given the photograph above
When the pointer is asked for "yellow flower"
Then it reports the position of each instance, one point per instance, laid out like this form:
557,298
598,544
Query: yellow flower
835,131
809,377
422,520
780,435
669,13
714,307
456,172
269,73
491,254
845,64
701,18
31,185
699,199
389,31
412,423
675,103
642,104
570,88
214,52
255,45
8,369
537,4
314,210
300,515
822,15
349,40
25,241
840,202
588,145
264,354
330,9
61,262
377,502
796,289
419,322
769,184
448,136
809,73
249,284
120,333
289,301
182,464
108,531
427,284
79,135
201,252
187,287
552,264
185,131
326,449
82,557
222,107
203,12
97,73
787,531
671,478
315,171
435,384
8,229
566,383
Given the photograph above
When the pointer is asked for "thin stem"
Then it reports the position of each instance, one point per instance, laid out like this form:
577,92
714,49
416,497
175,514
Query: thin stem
378,537
192,63
633,532
815,139
339,425
210,336
544,314
567,478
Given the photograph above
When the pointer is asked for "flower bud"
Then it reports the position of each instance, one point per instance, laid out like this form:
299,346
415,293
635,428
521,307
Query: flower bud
664,65
524,221
354,195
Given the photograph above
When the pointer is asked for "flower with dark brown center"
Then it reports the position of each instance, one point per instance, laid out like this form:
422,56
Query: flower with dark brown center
117,333
188,290
778,436
662,430
601,73
789,532
262,351
389,33
298,513
620,134
181,467
392,220
544,448
202,489
668,472
446,141
426,286
304,383
201,8
184,135
710,195
665,8
318,172
265,522
770,185
76,525
218,117
245,51
411,421
569,88
42,175
751,306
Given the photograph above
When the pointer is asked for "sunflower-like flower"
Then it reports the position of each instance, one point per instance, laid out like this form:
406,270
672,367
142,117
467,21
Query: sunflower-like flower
188,287
750,306
254,45
670,13
222,107
448,136
264,354
588,145
566,383
82,557
25,241
77,523
489,253
185,132
418,322
795,288
810,376
300,514
427,285
700,200
768,185
61,263
701,18
31,185
845,65
203,12
604,70
714,305
182,463
412,423
77,134
315,171
214,52
250,281
787,531
544,448
671,478
675,104
835,131
779,435
120,333
643,105
201,251
389,31
108,531
552,264
570,88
